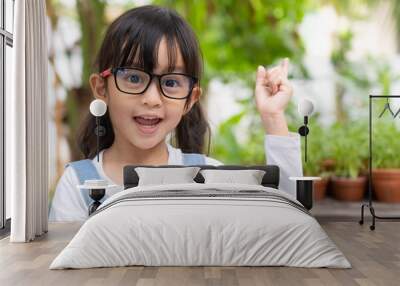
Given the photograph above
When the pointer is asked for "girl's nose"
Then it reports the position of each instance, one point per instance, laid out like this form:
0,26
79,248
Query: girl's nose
152,96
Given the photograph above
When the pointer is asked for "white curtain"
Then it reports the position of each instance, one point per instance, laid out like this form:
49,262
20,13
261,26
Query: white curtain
26,124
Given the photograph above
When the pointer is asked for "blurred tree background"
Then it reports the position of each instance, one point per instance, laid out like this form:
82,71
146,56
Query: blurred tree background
235,37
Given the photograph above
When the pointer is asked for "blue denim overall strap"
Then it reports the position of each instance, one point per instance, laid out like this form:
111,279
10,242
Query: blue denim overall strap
85,170
193,159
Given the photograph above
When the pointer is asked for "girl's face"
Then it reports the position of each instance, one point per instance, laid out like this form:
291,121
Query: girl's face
127,110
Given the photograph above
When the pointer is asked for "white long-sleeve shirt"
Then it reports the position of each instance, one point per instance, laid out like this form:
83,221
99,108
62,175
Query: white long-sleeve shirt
283,151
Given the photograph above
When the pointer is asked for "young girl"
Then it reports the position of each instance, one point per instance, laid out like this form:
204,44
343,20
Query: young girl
149,69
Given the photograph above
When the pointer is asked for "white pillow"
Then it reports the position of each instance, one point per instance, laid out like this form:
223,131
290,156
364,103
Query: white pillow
161,176
248,177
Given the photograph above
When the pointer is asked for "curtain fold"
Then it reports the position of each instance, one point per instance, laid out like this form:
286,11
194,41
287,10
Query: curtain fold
26,124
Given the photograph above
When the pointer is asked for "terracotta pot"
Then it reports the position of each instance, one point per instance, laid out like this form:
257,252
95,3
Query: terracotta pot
386,185
319,189
347,189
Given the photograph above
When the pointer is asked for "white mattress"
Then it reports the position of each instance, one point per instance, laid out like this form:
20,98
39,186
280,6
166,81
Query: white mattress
183,229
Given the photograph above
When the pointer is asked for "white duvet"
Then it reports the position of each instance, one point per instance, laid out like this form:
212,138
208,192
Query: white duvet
200,224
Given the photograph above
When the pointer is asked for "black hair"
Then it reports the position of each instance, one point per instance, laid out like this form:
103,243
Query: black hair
136,34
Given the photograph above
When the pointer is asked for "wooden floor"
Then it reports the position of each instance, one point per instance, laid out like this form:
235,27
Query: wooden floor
374,255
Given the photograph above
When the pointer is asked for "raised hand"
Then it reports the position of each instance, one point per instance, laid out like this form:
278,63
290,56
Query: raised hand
273,92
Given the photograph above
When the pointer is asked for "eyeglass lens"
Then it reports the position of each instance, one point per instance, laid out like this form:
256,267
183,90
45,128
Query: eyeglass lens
136,81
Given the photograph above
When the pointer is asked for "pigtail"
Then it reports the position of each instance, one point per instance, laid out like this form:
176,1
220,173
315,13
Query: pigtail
191,130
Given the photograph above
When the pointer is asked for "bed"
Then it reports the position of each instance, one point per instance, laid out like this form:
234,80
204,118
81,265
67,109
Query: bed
201,224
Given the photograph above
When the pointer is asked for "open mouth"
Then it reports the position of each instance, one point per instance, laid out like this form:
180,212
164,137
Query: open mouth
147,125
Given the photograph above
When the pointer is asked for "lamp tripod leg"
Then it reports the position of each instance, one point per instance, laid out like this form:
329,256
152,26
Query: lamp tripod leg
361,221
372,210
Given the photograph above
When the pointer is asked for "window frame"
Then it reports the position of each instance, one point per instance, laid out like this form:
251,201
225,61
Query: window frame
6,39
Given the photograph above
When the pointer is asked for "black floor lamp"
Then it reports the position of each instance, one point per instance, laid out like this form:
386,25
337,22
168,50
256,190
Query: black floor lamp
369,204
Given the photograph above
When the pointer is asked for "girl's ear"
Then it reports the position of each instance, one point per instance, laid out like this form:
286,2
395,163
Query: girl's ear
195,96
98,86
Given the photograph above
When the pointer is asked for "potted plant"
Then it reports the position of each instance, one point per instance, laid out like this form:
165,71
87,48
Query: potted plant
317,156
386,160
349,147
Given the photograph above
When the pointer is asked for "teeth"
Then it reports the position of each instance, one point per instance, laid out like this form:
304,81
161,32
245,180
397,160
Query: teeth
145,117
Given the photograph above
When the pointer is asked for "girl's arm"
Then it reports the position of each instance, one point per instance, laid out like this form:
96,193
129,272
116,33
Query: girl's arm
282,147
284,151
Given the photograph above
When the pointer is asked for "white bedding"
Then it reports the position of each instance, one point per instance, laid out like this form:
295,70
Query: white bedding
134,228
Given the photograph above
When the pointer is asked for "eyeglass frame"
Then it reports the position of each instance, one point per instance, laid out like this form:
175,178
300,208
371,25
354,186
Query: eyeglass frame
112,71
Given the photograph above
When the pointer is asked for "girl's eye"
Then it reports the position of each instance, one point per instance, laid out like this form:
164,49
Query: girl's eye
134,78
171,83
131,77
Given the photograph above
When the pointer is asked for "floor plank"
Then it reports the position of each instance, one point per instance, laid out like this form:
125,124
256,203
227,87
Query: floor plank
374,255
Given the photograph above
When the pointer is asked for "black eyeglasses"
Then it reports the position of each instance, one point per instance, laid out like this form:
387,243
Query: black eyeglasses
136,81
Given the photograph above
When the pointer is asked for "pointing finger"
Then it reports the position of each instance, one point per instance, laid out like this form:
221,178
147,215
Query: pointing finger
261,73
